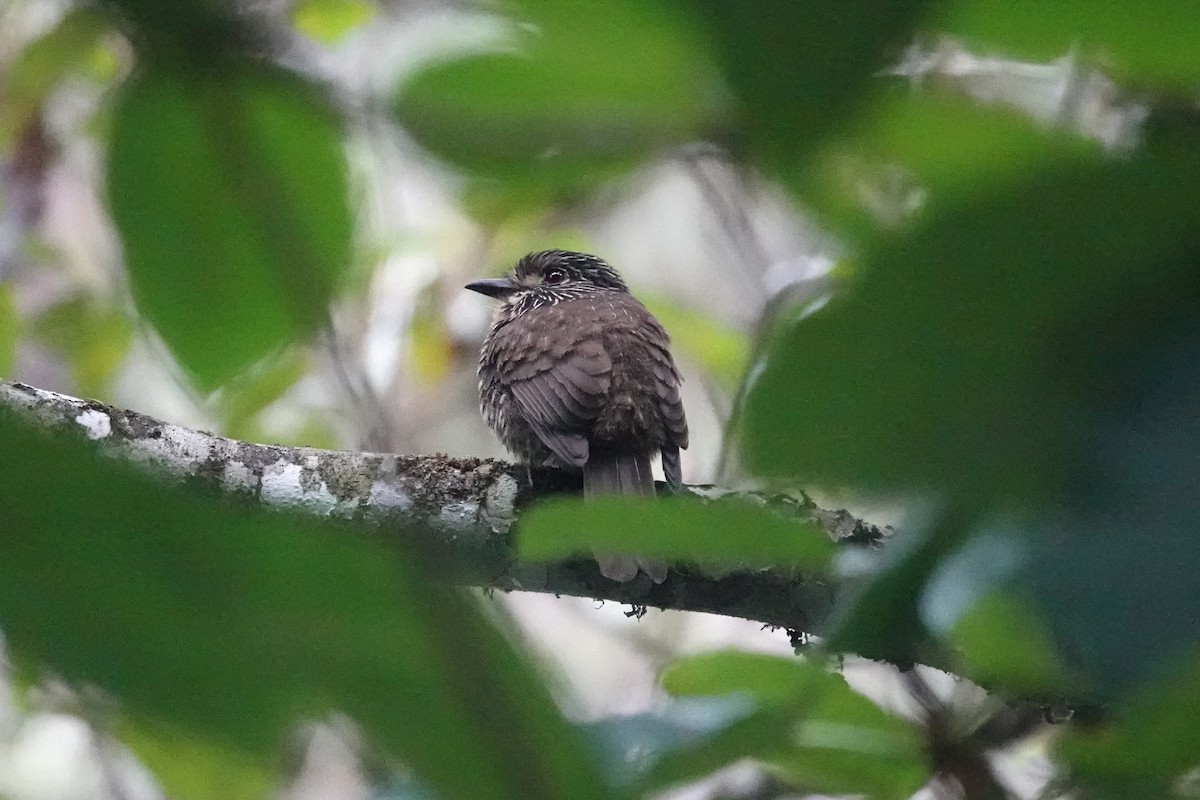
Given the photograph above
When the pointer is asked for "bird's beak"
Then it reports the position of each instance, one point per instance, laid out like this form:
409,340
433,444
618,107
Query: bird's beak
493,287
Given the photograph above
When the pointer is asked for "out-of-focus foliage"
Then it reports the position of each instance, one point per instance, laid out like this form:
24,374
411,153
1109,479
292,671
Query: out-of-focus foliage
685,530
1152,44
45,63
1011,351
331,20
807,725
196,767
10,329
574,100
229,189
721,350
177,605
93,337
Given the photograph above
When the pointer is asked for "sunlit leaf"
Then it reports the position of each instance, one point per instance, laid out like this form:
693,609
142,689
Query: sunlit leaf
329,21
194,767
229,190
725,533
10,330
768,680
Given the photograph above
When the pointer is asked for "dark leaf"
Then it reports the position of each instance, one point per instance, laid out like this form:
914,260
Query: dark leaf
231,625
799,70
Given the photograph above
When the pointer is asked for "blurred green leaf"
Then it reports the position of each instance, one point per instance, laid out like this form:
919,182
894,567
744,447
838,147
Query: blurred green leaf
1117,561
1151,43
823,736
761,735
1014,352
93,337
42,64
228,187
726,533
10,330
243,399
911,145
230,625
877,615
329,21
197,768
630,745
799,70
1144,747
768,680
952,364
584,93
719,349
1001,643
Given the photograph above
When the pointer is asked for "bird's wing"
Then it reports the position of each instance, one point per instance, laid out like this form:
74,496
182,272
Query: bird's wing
558,373
666,387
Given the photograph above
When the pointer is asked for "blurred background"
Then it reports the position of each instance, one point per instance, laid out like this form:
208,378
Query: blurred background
473,134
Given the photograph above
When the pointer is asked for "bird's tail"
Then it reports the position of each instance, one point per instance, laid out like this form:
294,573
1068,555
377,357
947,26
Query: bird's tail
617,473
621,474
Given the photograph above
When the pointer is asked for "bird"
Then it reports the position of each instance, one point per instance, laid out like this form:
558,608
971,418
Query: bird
576,373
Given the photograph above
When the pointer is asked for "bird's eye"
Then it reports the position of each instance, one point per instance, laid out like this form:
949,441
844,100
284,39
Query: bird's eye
555,276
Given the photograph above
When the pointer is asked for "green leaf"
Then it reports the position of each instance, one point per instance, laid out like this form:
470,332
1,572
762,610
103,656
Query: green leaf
243,399
768,680
822,736
1151,43
909,145
232,625
1001,643
576,99
877,616
954,365
630,745
760,735
194,767
726,533
1125,534
1146,745
330,21
93,337
228,186
801,69
10,330
722,351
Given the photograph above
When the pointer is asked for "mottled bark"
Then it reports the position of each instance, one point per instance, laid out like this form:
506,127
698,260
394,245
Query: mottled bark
465,508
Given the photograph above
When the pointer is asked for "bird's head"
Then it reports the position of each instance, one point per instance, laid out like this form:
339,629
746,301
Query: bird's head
550,276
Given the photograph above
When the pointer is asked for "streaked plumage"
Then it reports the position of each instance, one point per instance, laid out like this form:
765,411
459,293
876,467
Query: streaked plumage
576,373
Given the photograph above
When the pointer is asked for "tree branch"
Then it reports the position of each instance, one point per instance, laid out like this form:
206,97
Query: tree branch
464,508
